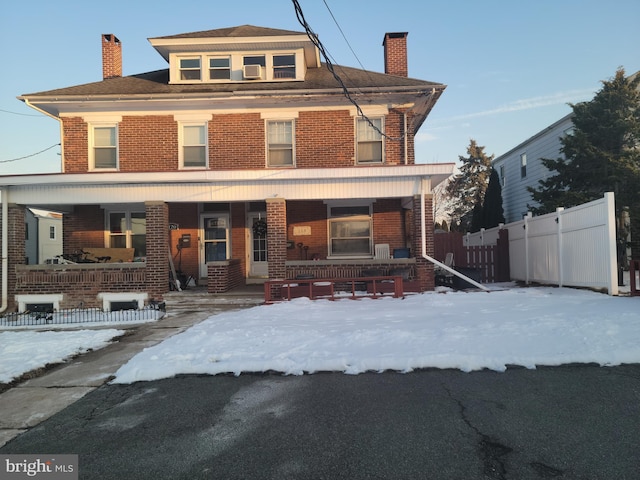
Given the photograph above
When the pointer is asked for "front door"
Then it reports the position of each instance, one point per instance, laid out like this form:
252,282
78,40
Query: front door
214,244
257,245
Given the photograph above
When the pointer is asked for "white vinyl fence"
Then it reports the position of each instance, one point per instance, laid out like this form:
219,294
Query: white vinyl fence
574,247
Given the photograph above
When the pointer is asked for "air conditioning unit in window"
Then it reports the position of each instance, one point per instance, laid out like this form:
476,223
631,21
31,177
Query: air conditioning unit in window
252,71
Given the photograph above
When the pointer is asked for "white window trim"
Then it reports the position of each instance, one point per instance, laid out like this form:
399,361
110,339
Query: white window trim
523,165
128,233
208,69
181,125
92,160
293,140
382,139
179,69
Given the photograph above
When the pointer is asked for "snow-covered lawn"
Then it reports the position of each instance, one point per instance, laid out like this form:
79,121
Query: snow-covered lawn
23,351
466,331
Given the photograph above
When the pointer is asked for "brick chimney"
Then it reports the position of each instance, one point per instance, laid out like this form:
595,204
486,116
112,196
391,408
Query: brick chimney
395,54
111,56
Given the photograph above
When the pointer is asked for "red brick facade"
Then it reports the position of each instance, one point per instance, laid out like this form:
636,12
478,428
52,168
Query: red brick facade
395,54
111,56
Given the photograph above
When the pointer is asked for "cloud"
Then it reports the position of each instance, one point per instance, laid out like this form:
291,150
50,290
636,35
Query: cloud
569,96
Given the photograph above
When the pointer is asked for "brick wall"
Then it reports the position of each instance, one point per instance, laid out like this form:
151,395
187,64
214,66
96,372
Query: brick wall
148,143
80,283
236,141
111,56
395,54
15,248
224,276
239,235
157,281
312,214
276,237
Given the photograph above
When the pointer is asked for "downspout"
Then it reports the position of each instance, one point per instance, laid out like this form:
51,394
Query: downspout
5,250
406,141
433,260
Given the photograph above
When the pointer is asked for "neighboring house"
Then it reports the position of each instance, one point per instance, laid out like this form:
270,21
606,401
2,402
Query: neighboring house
522,167
43,235
242,161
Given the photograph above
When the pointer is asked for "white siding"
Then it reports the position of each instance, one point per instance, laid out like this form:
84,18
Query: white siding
516,200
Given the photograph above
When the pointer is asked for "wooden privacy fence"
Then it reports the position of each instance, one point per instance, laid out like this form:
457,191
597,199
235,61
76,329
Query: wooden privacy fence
492,261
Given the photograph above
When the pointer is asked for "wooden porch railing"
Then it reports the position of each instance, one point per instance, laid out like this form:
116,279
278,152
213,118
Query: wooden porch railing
327,288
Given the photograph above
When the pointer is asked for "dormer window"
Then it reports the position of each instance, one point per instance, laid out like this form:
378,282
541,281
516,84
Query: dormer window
284,66
190,68
219,68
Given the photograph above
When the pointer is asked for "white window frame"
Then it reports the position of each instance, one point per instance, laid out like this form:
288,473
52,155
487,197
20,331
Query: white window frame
502,175
128,233
182,145
268,148
371,132
180,70
92,146
523,165
53,234
210,68
331,219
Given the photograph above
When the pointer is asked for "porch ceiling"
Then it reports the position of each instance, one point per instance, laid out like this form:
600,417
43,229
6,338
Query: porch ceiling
225,186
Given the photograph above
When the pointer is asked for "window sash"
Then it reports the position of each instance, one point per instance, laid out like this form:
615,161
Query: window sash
284,66
194,146
369,141
350,230
280,143
128,230
189,69
219,68
105,150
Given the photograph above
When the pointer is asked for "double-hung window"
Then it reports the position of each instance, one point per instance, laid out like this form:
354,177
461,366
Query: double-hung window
523,165
350,230
280,147
104,147
128,229
193,145
284,66
219,68
370,140
189,68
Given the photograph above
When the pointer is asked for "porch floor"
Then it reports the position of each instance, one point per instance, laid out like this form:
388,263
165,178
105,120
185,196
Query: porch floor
197,298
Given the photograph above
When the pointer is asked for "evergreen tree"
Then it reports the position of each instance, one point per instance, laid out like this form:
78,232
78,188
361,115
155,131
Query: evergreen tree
601,154
492,211
467,188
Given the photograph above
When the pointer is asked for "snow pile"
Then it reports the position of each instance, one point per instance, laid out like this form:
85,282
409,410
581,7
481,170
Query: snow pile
466,331
21,352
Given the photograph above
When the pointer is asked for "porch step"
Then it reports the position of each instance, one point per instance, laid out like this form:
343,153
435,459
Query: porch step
199,299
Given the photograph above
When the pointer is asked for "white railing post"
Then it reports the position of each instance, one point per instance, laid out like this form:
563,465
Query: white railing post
559,211
612,263
526,247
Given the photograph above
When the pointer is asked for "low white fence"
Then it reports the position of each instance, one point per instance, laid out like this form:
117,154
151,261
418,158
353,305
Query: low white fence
574,247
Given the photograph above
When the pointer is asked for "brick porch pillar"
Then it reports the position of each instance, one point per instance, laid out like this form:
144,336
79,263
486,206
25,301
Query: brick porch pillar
157,216
424,268
277,237
16,249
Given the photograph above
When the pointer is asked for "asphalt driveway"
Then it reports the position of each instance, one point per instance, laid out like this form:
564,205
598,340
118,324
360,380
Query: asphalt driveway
574,422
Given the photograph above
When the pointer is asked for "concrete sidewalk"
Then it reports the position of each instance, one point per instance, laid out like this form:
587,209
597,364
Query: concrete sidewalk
35,400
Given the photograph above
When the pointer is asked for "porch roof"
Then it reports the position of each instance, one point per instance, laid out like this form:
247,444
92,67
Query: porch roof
225,185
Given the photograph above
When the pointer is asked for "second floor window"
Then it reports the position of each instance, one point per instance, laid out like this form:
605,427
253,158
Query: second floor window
104,148
280,143
193,148
190,69
523,165
369,149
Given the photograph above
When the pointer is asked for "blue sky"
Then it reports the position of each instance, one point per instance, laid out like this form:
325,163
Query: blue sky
511,67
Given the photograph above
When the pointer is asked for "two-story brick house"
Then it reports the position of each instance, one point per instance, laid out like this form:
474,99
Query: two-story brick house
244,160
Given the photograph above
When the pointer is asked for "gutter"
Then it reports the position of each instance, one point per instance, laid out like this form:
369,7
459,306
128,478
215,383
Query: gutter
433,260
5,249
